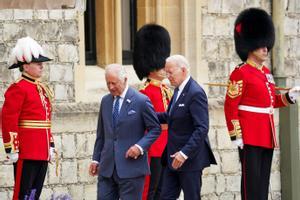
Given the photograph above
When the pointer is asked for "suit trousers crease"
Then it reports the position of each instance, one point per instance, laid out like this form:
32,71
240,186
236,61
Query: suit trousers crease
256,167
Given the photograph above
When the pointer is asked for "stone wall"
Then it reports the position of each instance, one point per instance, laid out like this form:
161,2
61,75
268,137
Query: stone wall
57,32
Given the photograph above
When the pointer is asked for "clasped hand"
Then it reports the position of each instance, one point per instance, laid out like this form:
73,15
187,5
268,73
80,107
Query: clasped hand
178,160
133,152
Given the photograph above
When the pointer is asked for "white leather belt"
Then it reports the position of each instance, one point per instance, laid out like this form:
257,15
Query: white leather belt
268,110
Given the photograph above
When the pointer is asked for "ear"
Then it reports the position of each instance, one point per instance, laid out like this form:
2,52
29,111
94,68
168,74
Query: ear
25,67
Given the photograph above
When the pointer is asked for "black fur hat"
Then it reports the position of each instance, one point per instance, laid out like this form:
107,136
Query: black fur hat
151,48
253,29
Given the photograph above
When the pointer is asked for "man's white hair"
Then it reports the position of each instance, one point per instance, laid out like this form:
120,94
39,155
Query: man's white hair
117,69
180,61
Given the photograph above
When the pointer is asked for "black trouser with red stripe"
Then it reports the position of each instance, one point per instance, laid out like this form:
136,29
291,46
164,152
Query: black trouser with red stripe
29,178
256,166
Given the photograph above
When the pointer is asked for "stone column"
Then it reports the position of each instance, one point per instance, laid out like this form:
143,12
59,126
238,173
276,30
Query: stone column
191,34
288,117
79,73
108,32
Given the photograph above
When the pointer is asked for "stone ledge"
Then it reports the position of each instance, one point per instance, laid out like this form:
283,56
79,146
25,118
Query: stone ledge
64,108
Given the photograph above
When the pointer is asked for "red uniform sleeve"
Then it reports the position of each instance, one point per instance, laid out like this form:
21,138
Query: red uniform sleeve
14,98
236,85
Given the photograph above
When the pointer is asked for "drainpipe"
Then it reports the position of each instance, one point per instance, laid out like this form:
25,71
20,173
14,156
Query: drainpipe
288,116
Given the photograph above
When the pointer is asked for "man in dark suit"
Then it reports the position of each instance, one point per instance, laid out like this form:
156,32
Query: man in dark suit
120,157
188,150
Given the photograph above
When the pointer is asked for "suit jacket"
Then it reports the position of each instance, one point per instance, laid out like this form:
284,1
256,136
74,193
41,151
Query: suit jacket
136,117
188,128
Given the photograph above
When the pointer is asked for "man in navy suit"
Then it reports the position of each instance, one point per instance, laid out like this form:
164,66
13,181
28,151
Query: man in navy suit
120,158
188,150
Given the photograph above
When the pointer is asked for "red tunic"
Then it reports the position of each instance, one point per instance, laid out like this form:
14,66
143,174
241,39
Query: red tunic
26,119
159,95
249,102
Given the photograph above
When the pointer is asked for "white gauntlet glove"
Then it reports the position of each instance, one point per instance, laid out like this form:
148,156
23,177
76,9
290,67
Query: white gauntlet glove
294,93
52,154
13,157
239,142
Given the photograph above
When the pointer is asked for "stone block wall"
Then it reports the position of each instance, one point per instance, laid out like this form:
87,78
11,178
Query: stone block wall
57,32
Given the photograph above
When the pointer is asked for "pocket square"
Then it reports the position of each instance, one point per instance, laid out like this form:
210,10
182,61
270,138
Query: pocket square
181,105
131,112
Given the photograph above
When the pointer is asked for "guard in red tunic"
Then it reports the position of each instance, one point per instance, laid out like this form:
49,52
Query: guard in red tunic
26,121
250,102
151,48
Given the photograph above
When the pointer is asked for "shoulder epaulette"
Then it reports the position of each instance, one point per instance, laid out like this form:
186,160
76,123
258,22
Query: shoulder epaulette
143,87
240,65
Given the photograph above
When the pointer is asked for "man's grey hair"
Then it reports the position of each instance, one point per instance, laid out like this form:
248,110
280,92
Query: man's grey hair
180,61
117,69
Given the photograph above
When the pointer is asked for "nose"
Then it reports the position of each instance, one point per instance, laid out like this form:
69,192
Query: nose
265,49
110,87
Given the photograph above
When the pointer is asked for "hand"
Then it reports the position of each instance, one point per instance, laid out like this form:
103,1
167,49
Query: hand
239,142
52,152
178,160
13,157
133,152
94,169
294,93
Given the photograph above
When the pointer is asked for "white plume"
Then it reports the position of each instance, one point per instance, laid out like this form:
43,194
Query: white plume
25,49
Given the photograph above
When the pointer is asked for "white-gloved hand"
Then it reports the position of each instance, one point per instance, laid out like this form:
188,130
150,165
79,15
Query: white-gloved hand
294,93
239,142
13,157
52,154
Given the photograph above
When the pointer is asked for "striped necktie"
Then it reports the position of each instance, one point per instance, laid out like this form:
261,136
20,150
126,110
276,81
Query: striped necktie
174,98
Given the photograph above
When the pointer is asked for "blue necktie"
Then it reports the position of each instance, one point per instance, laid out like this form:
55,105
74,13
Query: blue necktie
174,98
115,114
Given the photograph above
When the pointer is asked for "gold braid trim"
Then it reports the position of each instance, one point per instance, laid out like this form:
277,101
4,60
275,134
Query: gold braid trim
13,144
48,91
166,95
236,132
234,88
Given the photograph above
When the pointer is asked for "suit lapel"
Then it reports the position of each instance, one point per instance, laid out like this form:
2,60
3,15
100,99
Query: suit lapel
110,109
181,97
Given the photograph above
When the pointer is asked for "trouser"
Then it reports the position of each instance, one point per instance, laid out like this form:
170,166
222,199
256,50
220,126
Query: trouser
29,178
155,186
115,188
175,181
256,166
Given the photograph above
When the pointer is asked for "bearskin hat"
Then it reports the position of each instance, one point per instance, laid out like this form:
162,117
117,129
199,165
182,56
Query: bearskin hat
27,50
151,48
253,29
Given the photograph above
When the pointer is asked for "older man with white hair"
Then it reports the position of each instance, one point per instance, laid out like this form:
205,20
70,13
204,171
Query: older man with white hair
127,126
188,150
